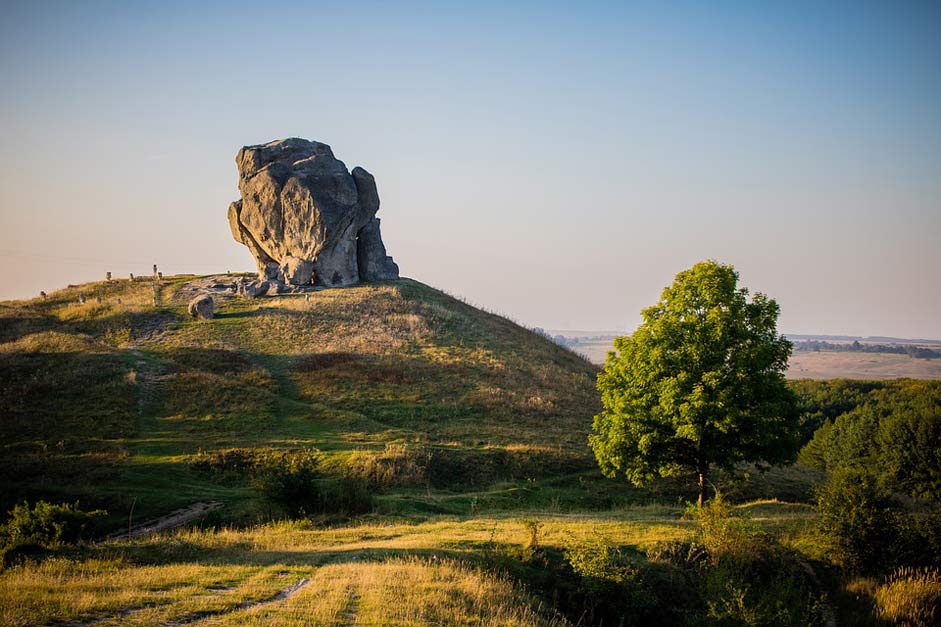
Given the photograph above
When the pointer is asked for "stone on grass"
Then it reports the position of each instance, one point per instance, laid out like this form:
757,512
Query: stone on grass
201,307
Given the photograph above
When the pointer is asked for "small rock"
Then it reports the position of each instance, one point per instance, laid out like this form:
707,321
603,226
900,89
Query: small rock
201,307
277,287
253,289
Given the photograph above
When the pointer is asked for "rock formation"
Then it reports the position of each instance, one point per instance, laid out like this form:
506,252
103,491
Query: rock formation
201,307
306,218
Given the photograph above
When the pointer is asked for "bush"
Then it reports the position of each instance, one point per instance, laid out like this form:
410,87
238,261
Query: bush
608,582
919,540
685,555
911,597
230,463
748,578
726,533
399,465
771,591
45,525
290,481
857,522
294,481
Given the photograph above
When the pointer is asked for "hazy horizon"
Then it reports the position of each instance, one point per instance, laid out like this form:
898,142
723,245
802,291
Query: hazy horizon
558,164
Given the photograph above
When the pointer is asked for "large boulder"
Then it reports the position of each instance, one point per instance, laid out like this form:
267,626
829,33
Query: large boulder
306,218
201,307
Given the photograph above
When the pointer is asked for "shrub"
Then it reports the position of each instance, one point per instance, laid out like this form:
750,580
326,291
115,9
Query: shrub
911,597
686,555
919,540
747,577
46,525
726,533
609,582
295,482
290,481
225,463
344,495
399,465
857,521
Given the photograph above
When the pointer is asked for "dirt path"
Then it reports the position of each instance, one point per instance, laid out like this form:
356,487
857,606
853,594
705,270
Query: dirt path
829,616
351,611
281,595
174,519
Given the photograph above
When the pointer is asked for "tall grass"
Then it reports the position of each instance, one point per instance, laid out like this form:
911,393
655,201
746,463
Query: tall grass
911,597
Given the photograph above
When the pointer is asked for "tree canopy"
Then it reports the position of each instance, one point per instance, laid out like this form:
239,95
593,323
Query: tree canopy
700,383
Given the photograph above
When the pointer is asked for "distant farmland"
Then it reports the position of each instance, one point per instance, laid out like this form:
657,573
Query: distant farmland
804,364
844,365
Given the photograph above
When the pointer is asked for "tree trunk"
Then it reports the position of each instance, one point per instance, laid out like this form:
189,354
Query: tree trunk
702,484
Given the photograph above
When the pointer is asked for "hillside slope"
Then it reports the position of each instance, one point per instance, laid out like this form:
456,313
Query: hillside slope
121,403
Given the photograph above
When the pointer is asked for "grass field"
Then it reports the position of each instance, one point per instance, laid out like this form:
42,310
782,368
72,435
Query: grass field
383,571
465,432
869,366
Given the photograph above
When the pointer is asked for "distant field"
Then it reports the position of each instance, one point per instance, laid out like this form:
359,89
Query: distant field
595,350
848,365
815,365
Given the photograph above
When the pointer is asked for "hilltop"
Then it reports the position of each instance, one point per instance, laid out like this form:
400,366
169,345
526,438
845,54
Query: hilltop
122,403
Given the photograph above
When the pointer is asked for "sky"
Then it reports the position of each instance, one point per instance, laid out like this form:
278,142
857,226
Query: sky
558,163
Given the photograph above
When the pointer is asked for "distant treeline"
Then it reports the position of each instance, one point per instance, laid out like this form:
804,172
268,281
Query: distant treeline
857,347
892,429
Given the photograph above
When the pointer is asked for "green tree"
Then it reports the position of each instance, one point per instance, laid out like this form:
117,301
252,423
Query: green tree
699,384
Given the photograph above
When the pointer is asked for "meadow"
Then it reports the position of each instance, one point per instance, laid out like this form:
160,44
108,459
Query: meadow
378,455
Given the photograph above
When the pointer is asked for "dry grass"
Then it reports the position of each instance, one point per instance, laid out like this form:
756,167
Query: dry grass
390,572
402,592
911,597
867,366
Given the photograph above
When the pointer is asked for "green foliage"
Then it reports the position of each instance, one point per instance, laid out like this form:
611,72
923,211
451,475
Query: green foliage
911,597
857,520
400,464
681,553
823,401
749,579
290,480
726,533
919,539
894,432
608,581
295,482
46,525
597,560
699,383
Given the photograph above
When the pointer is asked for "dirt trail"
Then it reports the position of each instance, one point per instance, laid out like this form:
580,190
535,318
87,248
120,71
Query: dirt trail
281,595
829,616
351,611
174,519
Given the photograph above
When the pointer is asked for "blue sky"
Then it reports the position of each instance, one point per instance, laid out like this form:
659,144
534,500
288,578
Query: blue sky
559,163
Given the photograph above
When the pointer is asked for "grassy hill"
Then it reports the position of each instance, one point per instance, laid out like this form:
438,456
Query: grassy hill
454,438
116,401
